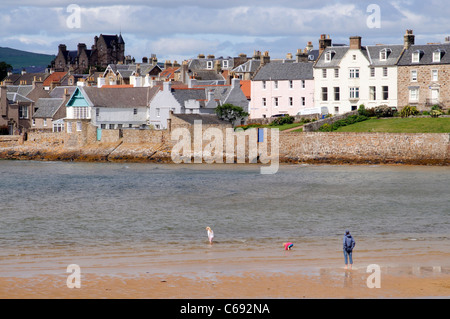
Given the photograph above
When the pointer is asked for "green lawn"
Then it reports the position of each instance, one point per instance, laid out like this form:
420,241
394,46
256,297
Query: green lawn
400,125
284,126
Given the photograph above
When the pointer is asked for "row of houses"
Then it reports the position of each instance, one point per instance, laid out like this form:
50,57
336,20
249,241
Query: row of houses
335,78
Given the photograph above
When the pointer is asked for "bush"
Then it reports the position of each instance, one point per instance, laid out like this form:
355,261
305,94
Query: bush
436,107
409,110
352,119
287,119
384,111
362,110
435,113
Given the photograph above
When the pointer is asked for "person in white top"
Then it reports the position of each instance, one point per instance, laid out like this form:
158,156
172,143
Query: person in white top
210,234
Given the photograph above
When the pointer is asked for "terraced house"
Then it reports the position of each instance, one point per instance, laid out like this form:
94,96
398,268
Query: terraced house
424,74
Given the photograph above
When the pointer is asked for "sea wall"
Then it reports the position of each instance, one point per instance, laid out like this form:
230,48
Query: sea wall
294,147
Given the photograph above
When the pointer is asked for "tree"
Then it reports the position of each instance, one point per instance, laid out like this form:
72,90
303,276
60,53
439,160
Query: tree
230,112
4,69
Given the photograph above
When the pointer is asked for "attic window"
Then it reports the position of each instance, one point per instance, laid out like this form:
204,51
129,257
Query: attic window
209,64
329,55
225,64
384,54
416,56
437,55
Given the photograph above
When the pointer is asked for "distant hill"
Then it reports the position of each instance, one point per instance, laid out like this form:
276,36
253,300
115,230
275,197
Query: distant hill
25,60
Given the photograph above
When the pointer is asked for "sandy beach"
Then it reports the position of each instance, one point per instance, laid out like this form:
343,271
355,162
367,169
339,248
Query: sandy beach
257,279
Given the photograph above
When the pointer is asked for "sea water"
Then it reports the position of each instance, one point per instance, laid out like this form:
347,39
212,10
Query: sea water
104,214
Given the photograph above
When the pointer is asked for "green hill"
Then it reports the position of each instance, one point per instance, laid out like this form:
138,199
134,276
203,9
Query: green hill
23,59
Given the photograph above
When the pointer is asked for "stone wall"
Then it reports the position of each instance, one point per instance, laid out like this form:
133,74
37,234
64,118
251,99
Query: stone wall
314,126
10,140
268,120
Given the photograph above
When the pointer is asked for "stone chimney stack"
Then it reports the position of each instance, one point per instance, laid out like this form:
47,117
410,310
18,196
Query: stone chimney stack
408,39
265,58
301,55
309,46
81,47
218,67
167,64
324,42
144,60
355,43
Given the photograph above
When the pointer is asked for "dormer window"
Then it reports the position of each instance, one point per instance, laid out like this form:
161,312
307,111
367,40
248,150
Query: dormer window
416,56
437,55
209,64
225,64
329,55
384,54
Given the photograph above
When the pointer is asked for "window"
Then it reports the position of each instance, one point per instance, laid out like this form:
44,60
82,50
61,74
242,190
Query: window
437,56
103,126
209,64
303,84
385,71
23,111
372,93
414,95
354,73
415,57
264,103
34,122
354,107
337,96
354,57
79,126
413,75
328,56
275,101
354,92
275,84
81,112
303,101
157,112
434,75
291,101
130,125
225,64
383,55
291,84
336,73
372,72
324,94
111,126
336,110
97,111
324,73
45,122
69,127
134,111
385,90
264,85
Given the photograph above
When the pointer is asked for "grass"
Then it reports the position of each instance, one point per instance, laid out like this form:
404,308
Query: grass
401,125
281,127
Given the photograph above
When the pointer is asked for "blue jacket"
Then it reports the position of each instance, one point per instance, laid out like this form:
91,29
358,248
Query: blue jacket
349,242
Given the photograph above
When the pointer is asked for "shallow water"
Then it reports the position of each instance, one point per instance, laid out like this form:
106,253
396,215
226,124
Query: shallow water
108,214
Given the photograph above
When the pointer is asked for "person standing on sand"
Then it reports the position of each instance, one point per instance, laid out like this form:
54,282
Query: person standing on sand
210,234
349,244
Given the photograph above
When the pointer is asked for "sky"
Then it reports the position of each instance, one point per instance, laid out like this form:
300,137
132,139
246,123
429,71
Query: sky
176,30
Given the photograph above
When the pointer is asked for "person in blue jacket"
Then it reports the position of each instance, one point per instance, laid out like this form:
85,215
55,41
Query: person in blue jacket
349,244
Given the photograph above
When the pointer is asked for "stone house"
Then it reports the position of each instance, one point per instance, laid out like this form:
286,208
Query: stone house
107,49
424,74
282,88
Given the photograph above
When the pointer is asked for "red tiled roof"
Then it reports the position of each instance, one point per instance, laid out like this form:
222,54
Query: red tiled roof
246,88
54,77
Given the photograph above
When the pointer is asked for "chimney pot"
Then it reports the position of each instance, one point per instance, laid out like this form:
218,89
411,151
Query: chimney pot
355,43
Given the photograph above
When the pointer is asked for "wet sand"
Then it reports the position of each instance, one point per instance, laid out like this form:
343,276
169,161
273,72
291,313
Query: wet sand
190,282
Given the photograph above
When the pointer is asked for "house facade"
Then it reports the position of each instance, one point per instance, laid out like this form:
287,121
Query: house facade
348,76
282,88
424,74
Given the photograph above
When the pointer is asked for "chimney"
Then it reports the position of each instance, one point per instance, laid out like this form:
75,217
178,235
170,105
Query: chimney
201,56
408,39
184,72
167,86
355,43
256,55
324,42
138,70
265,58
447,40
309,46
167,64
289,56
211,56
235,83
218,67
145,60
301,55
3,101
81,47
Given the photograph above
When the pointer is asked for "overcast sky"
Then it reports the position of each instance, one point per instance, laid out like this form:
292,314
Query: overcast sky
181,29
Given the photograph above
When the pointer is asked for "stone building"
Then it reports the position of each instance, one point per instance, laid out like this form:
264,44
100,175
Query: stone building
424,74
107,49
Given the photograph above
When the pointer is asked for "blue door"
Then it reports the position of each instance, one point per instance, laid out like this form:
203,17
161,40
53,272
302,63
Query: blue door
260,135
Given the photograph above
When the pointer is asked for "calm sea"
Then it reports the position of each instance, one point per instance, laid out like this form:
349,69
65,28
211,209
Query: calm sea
100,212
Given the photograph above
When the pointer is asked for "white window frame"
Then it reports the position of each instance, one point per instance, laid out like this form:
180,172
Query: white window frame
354,73
79,126
291,101
336,73
434,75
354,92
264,102
385,71
225,64
291,84
372,72
209,65
415,58
275,101
275,85
413,75
413,95
324,73
437,56
372,93
45,122
264,85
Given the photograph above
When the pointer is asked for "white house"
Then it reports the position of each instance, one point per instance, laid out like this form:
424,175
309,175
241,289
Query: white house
348,76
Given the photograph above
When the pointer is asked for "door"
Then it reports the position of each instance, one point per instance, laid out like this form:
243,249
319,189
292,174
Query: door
434,96
99,133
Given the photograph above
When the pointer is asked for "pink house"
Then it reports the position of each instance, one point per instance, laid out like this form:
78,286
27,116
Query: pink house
282,88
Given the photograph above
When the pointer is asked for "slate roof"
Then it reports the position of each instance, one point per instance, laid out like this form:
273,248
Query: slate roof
205,118
47,107
338,53
394,52
119,97
20,89
248,67
285,71
426,55
16,97
182,95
